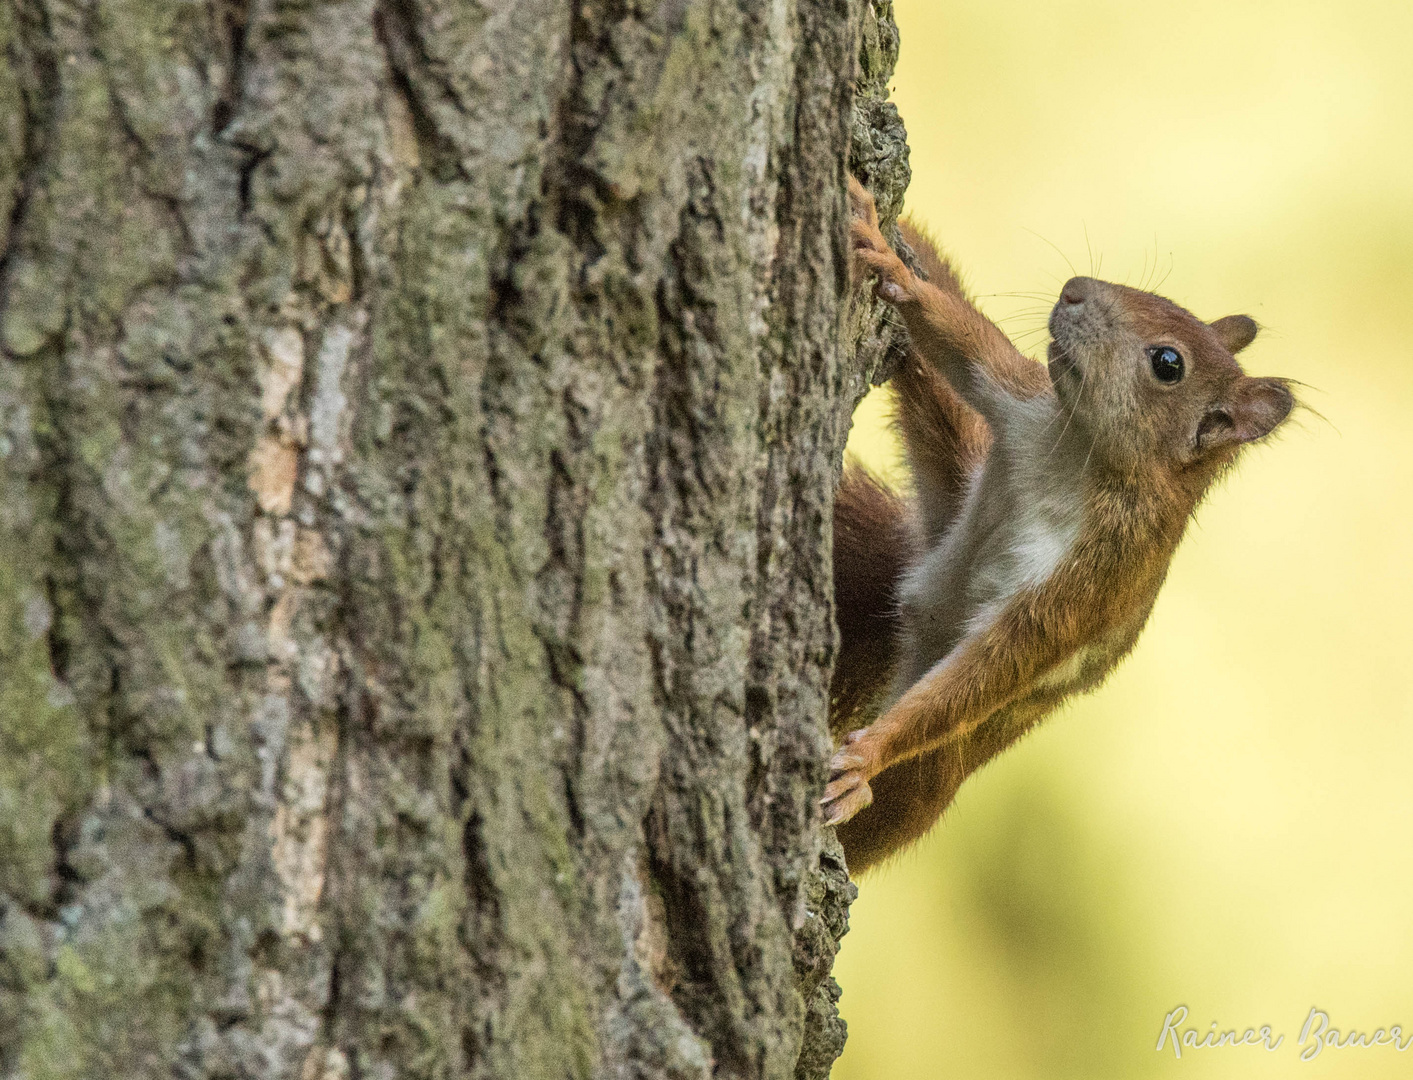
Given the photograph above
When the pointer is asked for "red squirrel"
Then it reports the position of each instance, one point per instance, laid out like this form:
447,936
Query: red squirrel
1048,502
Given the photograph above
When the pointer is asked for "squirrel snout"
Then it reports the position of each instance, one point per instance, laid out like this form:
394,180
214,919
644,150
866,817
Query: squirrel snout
1077,290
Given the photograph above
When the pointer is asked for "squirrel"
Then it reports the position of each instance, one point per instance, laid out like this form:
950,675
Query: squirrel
1048,503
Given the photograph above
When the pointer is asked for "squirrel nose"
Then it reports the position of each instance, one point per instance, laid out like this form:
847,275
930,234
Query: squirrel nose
1077,290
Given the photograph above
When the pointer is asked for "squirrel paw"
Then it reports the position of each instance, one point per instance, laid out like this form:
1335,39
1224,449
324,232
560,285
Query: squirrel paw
871,253
847,791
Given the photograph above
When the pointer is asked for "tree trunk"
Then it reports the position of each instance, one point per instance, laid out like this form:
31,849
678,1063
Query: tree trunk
419,421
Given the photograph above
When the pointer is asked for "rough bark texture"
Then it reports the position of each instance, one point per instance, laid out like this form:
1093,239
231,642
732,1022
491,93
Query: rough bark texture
418,425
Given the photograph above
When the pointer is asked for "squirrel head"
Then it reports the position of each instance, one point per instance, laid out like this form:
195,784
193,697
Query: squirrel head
1154,387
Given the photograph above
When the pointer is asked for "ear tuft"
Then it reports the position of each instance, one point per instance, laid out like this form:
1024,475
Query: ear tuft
1236,332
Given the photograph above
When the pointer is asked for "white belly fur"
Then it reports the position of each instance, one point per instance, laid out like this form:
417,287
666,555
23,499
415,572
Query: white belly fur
987,556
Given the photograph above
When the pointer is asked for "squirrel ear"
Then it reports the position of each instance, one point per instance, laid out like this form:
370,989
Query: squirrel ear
1254,409
1236,332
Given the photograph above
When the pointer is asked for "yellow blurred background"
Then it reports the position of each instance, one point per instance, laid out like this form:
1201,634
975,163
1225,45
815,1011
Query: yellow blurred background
1228,823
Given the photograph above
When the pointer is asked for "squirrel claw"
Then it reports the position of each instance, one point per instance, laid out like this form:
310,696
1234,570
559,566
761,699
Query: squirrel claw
847,791
850,795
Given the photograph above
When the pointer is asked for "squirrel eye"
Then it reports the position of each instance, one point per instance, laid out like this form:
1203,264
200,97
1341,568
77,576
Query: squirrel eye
1167,363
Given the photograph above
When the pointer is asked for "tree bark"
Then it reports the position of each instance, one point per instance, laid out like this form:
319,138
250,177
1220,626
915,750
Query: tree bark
418,428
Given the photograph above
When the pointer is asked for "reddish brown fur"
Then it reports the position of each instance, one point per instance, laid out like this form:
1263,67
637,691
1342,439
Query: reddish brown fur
873,545
1149,473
